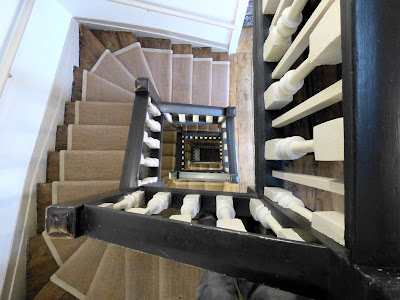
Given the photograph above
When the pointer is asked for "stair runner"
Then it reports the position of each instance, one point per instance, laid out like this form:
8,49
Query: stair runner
91,148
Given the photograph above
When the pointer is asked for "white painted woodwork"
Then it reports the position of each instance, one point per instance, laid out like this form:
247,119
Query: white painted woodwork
327,144
153,109
323,183
189,209
323,99
226,214
290,234
329,223
325,49
280,36
168,117
152,143
182,118
301,42
286,199
149,161
196,118
281,6
134,199
106,205
147,180
209,119
263,215
159,202
269,6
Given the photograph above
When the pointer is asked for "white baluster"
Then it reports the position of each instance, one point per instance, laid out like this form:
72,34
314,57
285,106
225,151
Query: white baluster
168,117
263,215
159,202
153,109
151,142
286,199
209,119
134,199
280,36
327,145
226,214
189,209
149,162
196,118
106,205
182,118
325,49
153,125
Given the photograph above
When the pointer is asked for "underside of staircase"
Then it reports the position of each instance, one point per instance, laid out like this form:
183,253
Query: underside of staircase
88,159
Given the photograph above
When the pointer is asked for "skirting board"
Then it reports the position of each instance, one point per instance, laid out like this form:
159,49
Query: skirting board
60,93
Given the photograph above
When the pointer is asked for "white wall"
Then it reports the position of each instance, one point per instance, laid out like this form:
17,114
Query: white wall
150,22
27,133
9,15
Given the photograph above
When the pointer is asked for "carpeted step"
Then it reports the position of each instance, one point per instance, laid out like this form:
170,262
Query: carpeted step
77,273
165,173
160,64
95,88
133,59
112,70
109,281
182,78
77,165
67,191
178,281
142,276
202,81
98,113
63,249
97,137
220,83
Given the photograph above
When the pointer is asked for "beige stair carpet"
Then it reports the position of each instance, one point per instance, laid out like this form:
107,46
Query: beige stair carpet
178,281
103,113
220,83
77,273
109,281
169,137
63,249
202,81
97,137
142,276
67,191
77,165
168,163
111,69
182,78
95,88
133,59
168,149
160,64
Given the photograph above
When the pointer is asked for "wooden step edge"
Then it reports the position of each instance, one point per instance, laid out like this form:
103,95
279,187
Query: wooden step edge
155,43
62,137
108,38
53,291
44,199
181,48
90,48
69,113
53,166
126,38
202,52
40,266
220,56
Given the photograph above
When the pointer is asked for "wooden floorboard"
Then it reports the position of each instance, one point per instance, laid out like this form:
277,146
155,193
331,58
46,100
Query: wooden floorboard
241,96
126,38
202,52
220,56
109,39
182,48
154,43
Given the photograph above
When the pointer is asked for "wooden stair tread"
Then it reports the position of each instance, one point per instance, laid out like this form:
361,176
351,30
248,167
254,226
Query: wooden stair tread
182,48
202,52
90,48
109,39
54,292
126,38
155,43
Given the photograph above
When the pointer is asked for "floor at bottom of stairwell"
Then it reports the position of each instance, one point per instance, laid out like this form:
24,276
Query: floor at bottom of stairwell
241,96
